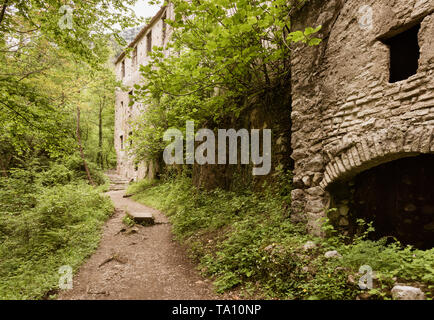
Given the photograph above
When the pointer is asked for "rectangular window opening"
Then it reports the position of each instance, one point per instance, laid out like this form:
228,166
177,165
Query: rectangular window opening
131,98
404,54
122,142
123,69
149,42
134,60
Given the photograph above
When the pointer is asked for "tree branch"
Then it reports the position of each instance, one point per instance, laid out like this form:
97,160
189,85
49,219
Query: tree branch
2,13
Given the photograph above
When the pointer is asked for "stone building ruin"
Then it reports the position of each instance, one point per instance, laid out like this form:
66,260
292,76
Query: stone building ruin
155,33
362,115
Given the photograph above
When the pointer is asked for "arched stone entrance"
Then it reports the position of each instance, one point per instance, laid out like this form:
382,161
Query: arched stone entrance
397,196
353,107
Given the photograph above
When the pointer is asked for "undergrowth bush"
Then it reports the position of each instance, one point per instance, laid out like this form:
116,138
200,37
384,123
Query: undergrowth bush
140,186
46,221
246,242
75,164
58,174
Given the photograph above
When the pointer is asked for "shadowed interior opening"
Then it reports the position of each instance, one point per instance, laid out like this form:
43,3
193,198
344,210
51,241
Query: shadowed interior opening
404,54
398,197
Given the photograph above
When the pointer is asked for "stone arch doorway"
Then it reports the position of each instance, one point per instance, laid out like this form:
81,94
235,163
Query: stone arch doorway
397,196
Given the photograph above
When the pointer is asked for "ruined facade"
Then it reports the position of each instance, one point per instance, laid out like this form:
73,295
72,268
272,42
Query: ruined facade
362,114
362,99
155,33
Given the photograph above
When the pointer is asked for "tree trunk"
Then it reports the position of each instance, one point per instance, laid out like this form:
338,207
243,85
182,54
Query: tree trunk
3,11
3,169
99,157
81,148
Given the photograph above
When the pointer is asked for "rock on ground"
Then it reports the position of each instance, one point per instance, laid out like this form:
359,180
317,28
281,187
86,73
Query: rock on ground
332,254
407,293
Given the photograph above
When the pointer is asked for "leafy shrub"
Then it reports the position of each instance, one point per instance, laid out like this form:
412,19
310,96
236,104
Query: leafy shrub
58,174
75,164
17,193
140,186
60,226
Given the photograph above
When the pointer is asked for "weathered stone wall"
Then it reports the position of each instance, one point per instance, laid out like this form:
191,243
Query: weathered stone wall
268,111
125,114
346,116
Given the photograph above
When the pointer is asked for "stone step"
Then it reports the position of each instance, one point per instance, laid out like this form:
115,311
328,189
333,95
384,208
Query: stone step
142,217
117,183
117,188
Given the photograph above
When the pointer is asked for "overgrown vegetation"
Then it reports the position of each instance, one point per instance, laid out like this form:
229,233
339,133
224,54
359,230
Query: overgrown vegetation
226,54
48,218
126,220
56,129
53,66
246,242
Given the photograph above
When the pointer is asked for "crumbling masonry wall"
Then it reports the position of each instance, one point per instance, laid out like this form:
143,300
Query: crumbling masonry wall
346,116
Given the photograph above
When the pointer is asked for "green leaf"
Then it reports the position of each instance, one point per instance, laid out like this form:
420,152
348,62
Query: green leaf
314,41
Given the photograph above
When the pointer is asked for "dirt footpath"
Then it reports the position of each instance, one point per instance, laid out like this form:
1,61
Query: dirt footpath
138,263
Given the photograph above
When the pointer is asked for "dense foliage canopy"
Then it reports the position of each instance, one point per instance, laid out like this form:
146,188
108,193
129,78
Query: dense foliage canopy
54,67
53,60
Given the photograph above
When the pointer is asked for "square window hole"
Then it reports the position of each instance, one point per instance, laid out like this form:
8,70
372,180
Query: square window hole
404,54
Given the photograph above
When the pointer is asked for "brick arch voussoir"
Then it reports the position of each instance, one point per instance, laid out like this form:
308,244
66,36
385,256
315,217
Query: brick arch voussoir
370,150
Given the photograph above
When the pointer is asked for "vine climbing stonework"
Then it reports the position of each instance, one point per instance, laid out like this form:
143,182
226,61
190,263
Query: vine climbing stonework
351,110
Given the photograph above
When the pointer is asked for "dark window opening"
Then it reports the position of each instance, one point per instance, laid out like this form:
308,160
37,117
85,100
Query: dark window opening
149,42
131,138
123,69
134,59
397,197
122,142
164,28
131,98
404,54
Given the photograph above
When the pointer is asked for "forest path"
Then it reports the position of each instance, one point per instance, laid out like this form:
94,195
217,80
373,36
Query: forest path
137,262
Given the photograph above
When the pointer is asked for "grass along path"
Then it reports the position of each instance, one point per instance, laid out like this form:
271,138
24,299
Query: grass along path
138,263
